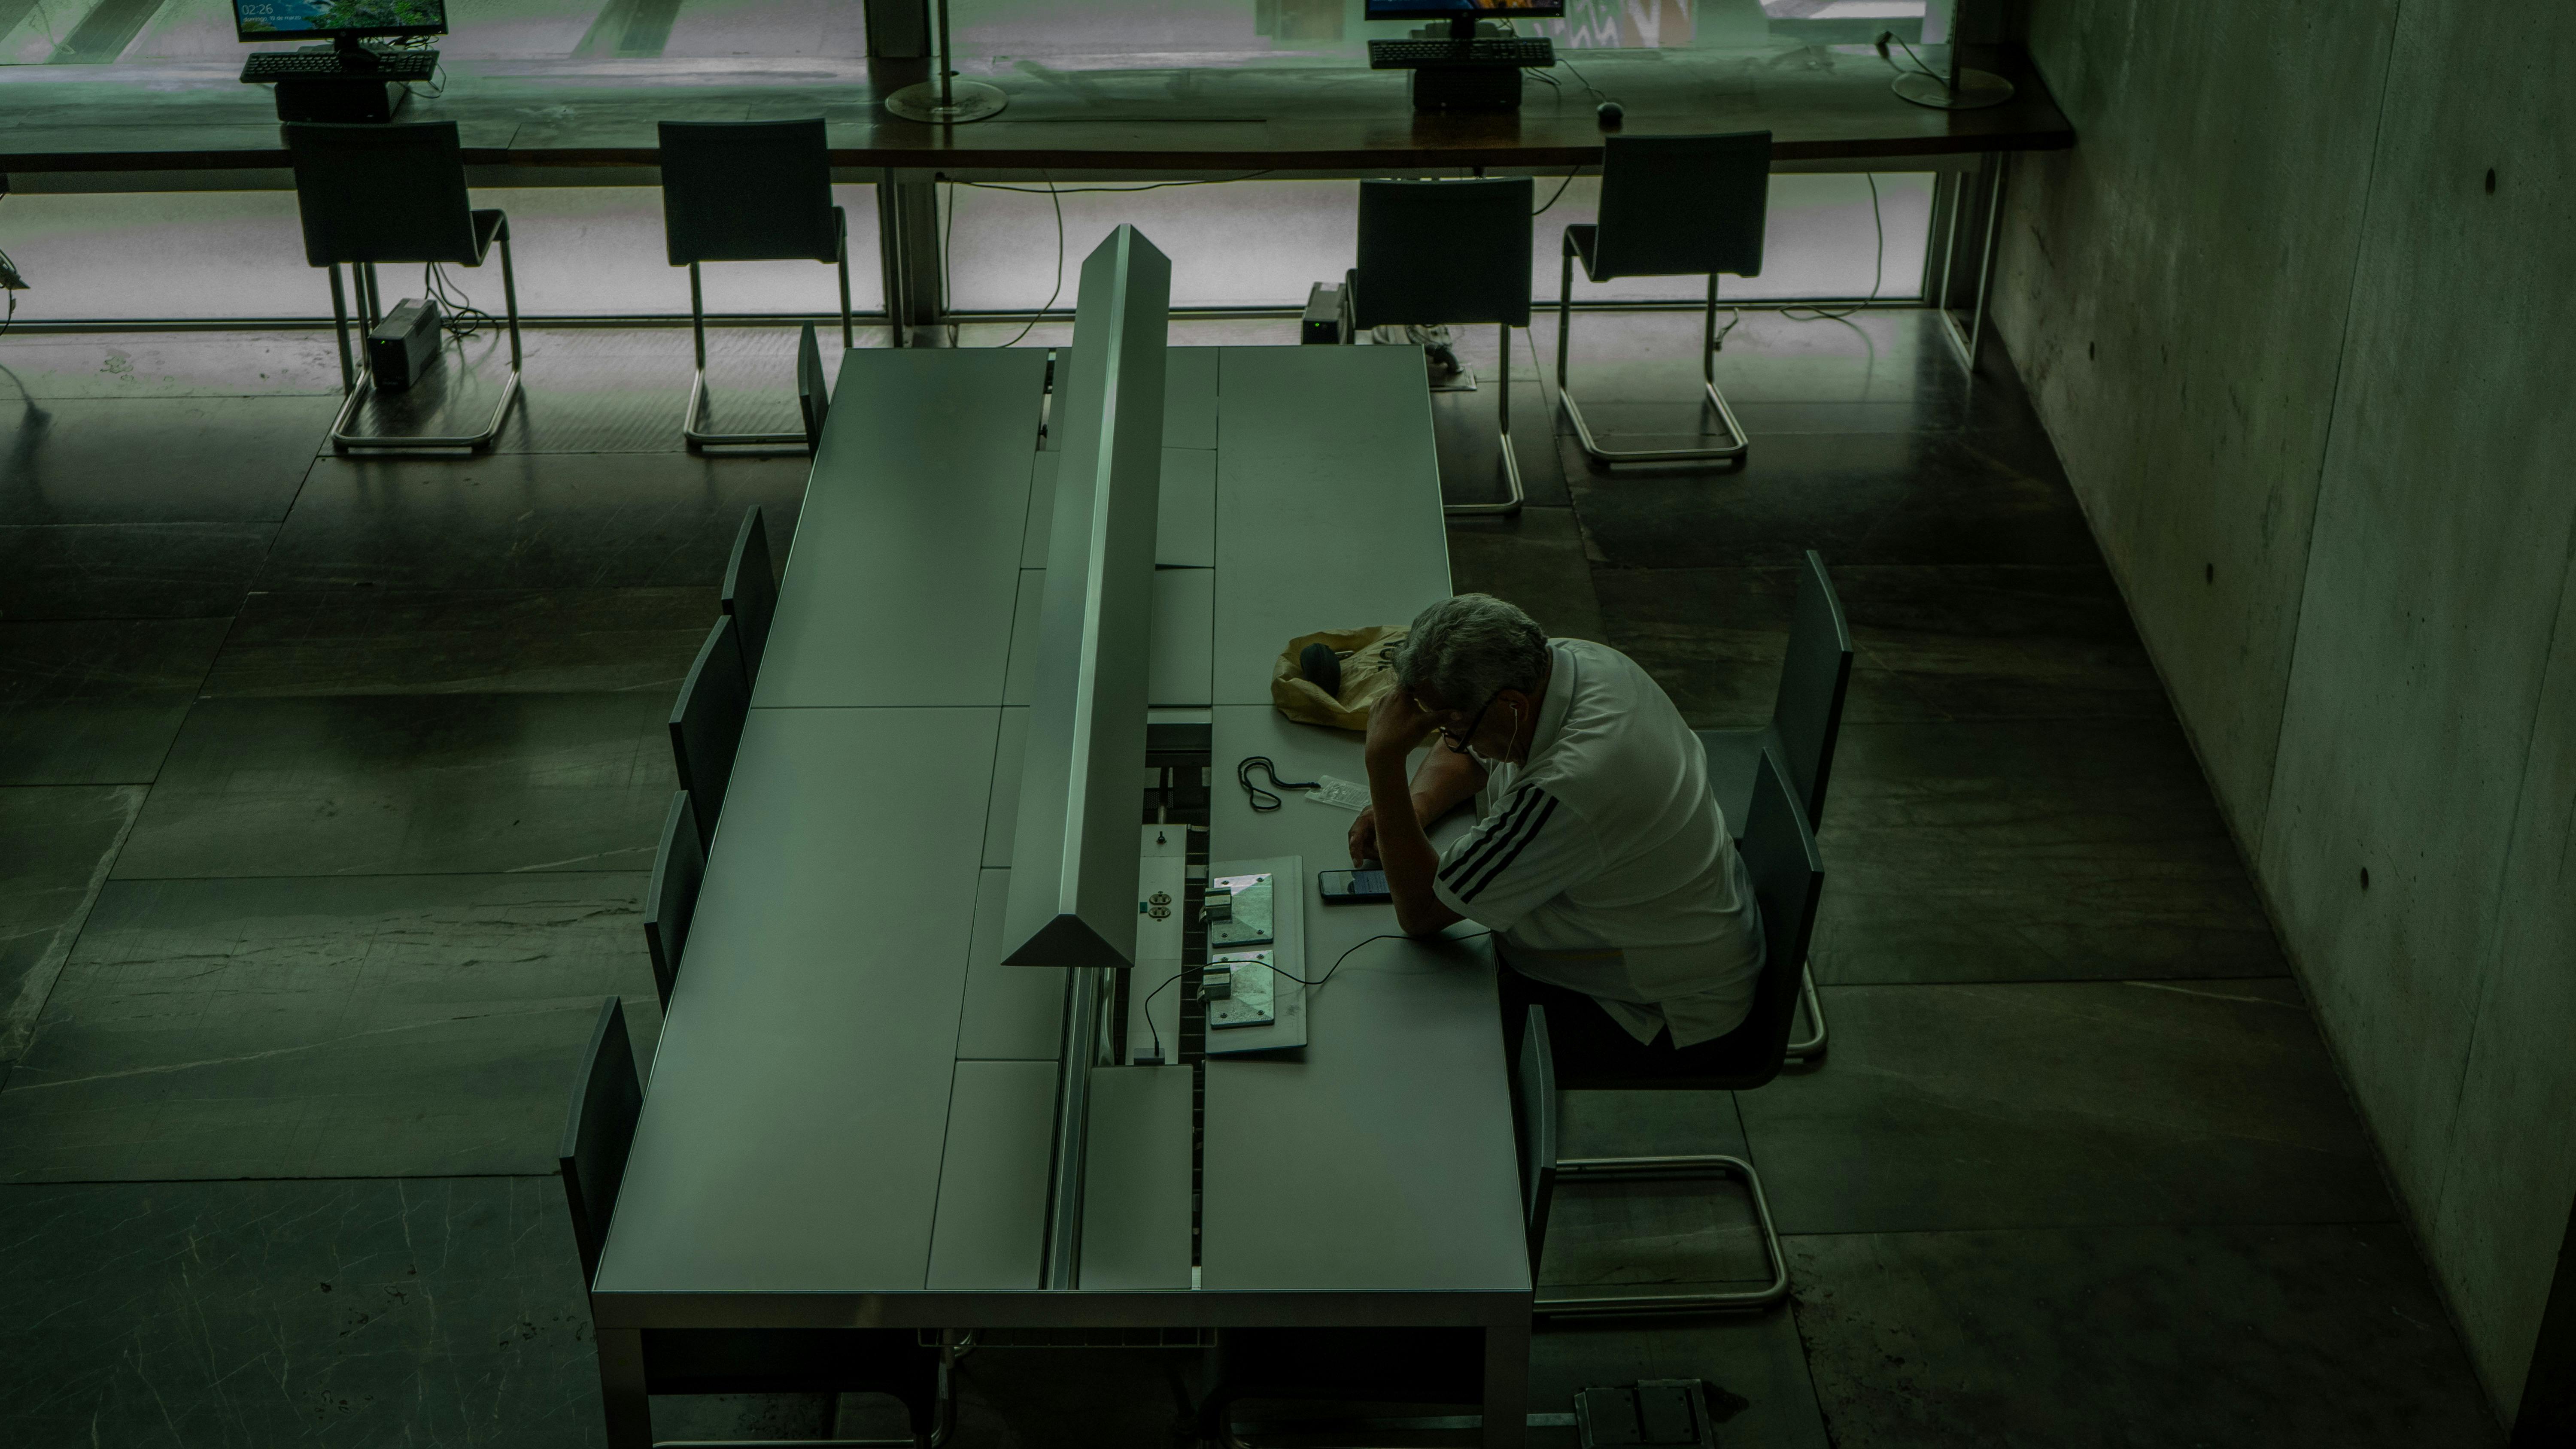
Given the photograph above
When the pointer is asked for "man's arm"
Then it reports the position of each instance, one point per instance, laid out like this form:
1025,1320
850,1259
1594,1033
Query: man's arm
1404,847
1444,781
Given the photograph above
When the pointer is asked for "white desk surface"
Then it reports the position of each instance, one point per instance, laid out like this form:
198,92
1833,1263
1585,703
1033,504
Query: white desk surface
919,499
1327,503
802,1083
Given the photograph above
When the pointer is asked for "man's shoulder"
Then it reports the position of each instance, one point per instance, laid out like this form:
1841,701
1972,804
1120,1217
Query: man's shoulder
1602,670
1614,700
1621,728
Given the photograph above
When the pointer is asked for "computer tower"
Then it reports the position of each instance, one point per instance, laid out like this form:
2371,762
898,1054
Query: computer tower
360,100
1467,88
1328,316
404,345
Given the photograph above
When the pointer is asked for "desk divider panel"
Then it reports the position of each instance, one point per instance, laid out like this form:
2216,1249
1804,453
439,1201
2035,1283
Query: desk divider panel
1073,858
1074,867
1185,533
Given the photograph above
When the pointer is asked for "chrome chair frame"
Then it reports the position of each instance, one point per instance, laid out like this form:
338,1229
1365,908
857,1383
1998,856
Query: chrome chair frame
1503,434
1515,497
1670,1168
696,410
1414,282
1734,451
358,384
1809,1048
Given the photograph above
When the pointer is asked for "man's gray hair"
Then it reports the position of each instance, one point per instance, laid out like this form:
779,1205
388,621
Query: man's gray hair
1465,649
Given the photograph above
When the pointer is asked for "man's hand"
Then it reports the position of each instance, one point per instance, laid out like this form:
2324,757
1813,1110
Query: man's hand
1395,726
1446,780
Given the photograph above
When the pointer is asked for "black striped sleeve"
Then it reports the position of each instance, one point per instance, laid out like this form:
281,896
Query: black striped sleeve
1511,851
1477,846
1481,857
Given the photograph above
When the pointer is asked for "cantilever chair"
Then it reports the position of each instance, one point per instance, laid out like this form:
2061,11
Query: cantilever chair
1806,720
1788,879
706,724
747,191
598,1135
813,391
679,866
1448,253
1671,206
393,193
750,596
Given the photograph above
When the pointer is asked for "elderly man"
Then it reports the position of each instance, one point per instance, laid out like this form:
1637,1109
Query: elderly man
1599,860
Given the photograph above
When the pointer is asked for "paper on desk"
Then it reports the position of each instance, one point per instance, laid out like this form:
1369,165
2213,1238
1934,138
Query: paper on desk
1340,794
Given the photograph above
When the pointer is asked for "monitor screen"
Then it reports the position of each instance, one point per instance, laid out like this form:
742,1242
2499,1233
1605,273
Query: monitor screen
1452,9
290,19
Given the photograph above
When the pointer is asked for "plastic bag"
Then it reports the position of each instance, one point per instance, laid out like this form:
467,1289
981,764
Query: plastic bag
1368,673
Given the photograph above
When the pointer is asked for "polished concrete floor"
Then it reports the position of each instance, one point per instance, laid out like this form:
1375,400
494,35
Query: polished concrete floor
328,789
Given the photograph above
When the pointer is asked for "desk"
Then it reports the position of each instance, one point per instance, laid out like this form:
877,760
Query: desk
848,1118
571,123
564,116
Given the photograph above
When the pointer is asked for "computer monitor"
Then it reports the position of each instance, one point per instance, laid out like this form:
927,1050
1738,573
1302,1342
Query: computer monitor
1462,15
341,21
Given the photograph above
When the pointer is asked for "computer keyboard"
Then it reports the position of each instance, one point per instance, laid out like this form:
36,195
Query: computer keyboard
1414,54
390,65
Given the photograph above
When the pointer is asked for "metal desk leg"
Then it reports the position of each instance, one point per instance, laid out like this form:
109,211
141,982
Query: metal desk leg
340,320
621,1388
841,231
1967,342
1507,1350
908,249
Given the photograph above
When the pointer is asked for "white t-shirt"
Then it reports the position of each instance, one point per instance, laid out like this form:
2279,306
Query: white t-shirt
1602,862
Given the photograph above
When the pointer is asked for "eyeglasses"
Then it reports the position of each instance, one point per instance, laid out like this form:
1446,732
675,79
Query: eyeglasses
1457,740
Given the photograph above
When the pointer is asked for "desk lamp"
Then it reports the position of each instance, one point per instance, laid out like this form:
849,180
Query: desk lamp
947,101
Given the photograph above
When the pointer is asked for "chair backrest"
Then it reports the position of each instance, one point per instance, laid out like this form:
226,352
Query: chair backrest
747,191
679,863
1443,252
751,591
1682,205
1534,1100
813,395
706,724
1788,879
381,193
599,1129
1813,680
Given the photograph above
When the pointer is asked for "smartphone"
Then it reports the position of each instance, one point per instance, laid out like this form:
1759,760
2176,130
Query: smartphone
1352,887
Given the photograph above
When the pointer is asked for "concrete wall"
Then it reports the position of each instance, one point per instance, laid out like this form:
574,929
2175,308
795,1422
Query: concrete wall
2316,388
